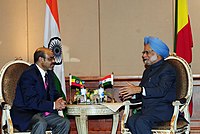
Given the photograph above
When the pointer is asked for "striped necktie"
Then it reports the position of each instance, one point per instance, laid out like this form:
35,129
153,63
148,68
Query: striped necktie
46,87
46,81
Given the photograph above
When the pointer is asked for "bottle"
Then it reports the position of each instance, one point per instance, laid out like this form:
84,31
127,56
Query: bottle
101,94
83,94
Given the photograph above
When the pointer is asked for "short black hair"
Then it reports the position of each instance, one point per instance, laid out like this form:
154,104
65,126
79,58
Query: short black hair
39,53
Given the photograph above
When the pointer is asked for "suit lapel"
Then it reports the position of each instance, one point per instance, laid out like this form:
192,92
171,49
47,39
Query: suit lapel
40,79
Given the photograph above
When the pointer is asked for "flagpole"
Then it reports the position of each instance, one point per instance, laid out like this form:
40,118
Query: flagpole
112,90
70,90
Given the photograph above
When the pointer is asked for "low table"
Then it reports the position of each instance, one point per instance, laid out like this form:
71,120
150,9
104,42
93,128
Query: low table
82,111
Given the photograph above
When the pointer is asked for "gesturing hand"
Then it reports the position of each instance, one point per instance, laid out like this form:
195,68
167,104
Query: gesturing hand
128,91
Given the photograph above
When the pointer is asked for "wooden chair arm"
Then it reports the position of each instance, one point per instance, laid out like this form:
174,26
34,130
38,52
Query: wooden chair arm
6,122
178,104
125,115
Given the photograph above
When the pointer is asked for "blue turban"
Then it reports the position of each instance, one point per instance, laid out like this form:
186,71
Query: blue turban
157,45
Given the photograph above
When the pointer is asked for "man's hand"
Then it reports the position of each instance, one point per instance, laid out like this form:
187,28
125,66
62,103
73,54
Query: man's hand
128,91
60,104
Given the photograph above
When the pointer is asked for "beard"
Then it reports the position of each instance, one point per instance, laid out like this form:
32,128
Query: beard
151,60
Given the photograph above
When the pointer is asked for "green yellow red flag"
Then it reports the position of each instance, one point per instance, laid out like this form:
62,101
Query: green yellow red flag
183,35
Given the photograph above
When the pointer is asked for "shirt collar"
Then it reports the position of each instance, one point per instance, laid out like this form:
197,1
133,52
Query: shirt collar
42,72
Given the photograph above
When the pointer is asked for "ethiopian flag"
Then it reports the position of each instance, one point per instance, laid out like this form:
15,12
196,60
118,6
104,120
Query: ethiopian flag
52,41
75,81
183,36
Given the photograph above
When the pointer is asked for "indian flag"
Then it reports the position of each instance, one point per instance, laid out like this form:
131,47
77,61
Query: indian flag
183,36
107,81
75,81
52,41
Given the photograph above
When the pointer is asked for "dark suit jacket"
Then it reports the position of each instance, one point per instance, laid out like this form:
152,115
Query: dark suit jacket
31,97
159,81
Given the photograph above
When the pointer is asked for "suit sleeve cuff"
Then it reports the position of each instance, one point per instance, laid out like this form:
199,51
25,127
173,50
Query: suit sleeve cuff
54,107
143,91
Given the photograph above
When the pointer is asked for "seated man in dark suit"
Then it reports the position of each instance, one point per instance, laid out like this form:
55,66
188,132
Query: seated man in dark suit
37,100
157,88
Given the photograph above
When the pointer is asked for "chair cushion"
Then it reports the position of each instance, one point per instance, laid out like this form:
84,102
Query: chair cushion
182,123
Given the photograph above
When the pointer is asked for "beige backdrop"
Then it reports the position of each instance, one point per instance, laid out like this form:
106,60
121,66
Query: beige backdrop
98,36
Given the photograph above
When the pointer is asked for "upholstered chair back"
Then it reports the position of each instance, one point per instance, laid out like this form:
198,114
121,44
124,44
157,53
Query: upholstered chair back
181,79
10,74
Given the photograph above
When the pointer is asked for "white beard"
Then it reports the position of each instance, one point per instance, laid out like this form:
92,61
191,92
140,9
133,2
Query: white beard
151,60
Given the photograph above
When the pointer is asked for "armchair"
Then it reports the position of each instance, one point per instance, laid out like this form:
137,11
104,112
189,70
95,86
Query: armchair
183,96
9,76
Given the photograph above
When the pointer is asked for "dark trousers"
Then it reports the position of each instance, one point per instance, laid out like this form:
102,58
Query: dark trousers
58,124
140,123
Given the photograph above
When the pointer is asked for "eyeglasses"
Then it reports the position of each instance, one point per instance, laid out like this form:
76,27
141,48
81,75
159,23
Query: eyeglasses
147,52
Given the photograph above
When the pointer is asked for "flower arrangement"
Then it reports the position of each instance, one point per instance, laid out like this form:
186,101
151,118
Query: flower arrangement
84,95
90,96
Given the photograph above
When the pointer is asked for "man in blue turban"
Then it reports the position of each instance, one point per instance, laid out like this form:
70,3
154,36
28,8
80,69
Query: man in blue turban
157,88
157,45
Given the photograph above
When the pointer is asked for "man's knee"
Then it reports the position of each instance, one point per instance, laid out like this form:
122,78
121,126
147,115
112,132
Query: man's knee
141,122
64,122
143,126
39,127
42,124
63,126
